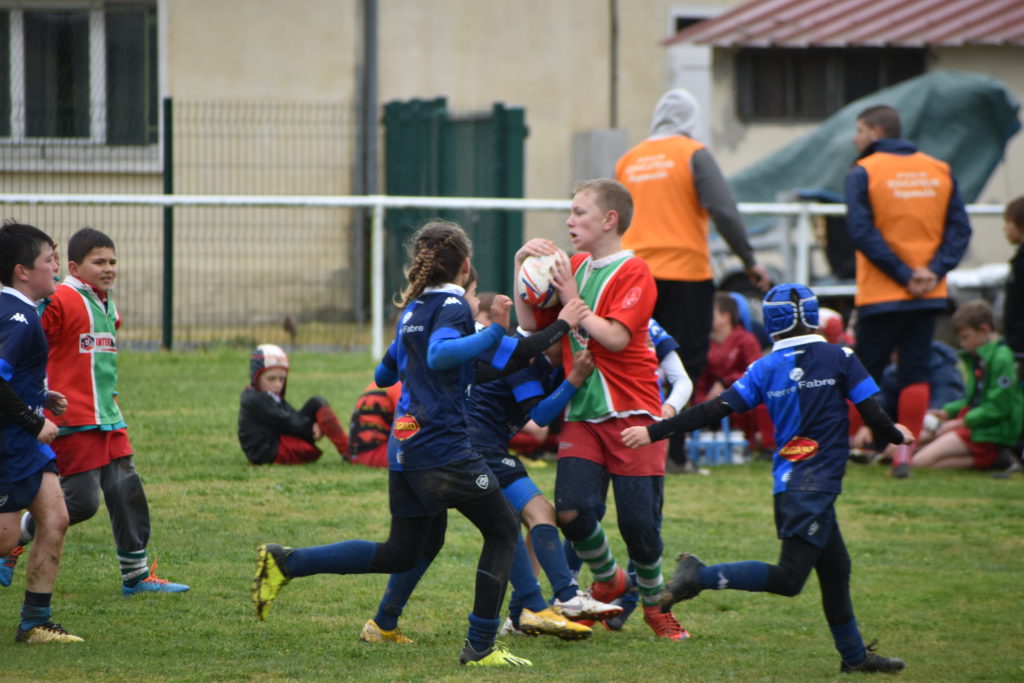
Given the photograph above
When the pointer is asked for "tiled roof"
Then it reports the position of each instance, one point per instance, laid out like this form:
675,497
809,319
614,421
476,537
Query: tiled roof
861,23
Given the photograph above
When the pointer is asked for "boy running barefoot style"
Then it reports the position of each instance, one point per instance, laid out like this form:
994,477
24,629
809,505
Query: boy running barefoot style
805,383
28,474
622,392
93,451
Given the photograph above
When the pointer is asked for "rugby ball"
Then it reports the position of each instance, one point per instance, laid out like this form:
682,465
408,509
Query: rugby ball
535,284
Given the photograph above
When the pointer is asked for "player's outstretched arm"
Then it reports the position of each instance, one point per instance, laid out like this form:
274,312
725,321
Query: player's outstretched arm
708,413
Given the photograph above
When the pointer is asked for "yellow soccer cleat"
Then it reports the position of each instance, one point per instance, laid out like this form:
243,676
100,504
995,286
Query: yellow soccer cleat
495,655
372,633
547,622
270,577
46,633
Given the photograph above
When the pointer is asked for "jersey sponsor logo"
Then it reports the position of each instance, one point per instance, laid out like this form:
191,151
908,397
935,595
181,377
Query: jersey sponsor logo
632,296
408,329
483,481
19,318
452,300
97,343
799,448
405,427
405,318
817,383
796,374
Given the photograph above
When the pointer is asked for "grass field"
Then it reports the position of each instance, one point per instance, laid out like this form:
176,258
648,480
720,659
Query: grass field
937,559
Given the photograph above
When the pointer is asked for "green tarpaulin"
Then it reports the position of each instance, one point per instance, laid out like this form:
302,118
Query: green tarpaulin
963,119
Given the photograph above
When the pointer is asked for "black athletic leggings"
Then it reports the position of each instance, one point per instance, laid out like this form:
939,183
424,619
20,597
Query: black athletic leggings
412,537
832,563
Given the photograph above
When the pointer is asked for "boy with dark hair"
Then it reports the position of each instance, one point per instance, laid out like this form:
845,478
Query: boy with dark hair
805,383
92,447
990,414
907,221
619,292
28,475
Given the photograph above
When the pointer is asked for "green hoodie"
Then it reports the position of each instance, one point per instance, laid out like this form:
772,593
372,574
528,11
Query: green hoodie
994,397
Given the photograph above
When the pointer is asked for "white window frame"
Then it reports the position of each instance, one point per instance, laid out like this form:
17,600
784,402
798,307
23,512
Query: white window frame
45,153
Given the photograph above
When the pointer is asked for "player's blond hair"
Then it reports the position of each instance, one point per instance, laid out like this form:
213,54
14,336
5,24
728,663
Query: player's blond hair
611,195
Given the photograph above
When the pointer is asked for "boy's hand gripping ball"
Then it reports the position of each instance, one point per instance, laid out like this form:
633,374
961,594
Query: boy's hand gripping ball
535,284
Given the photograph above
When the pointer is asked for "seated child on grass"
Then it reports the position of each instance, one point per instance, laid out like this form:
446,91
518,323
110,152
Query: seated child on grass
989,415
272,431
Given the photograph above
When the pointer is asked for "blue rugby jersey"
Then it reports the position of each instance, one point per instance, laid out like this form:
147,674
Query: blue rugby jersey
805,382
662,341
498,409
23,351
429,429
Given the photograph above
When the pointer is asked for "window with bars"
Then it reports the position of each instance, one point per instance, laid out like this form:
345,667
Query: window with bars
810,84
85,73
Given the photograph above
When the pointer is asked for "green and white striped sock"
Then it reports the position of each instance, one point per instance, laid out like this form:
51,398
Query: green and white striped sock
134,567
649,581
595,552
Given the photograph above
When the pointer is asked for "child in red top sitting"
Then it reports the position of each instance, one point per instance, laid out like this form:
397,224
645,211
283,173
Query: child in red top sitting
732,349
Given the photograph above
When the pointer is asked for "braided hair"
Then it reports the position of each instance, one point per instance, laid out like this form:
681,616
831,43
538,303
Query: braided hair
436,253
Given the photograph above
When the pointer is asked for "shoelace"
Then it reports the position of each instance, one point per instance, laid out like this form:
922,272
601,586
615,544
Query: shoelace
12,557
153,578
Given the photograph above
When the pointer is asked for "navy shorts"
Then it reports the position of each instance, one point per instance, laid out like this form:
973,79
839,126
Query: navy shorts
18,495
811,515
423,493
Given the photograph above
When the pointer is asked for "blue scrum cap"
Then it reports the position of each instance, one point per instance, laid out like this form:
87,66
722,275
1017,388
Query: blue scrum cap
787,304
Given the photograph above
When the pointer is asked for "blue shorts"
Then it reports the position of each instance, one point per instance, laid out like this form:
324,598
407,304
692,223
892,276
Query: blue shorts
423,493
811,515
515,482
18,495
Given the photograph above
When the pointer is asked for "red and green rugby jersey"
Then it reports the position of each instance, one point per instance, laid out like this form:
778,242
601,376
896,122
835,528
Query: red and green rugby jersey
82,364
619,287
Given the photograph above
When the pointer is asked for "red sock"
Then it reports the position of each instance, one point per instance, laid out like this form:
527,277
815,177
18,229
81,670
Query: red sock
333,430
913,404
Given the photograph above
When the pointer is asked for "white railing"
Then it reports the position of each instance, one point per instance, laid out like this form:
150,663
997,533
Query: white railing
379,204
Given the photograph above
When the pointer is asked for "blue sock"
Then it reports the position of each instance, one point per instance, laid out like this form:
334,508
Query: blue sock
547,545
36,610
347,557
849,642
525,589
572,560
741,576
396,595
482,632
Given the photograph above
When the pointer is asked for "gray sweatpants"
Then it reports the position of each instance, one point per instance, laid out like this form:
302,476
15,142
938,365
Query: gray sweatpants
123,494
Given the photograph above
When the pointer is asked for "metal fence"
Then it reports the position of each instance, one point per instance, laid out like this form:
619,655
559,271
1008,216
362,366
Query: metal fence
232,273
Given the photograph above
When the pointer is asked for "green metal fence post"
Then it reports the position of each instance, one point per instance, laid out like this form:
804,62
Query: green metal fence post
168,266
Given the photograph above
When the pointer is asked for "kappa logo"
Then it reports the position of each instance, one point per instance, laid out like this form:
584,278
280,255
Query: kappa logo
19,318
452,300
796,374
483,481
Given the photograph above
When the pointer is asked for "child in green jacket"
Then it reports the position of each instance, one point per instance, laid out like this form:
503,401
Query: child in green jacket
991,413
